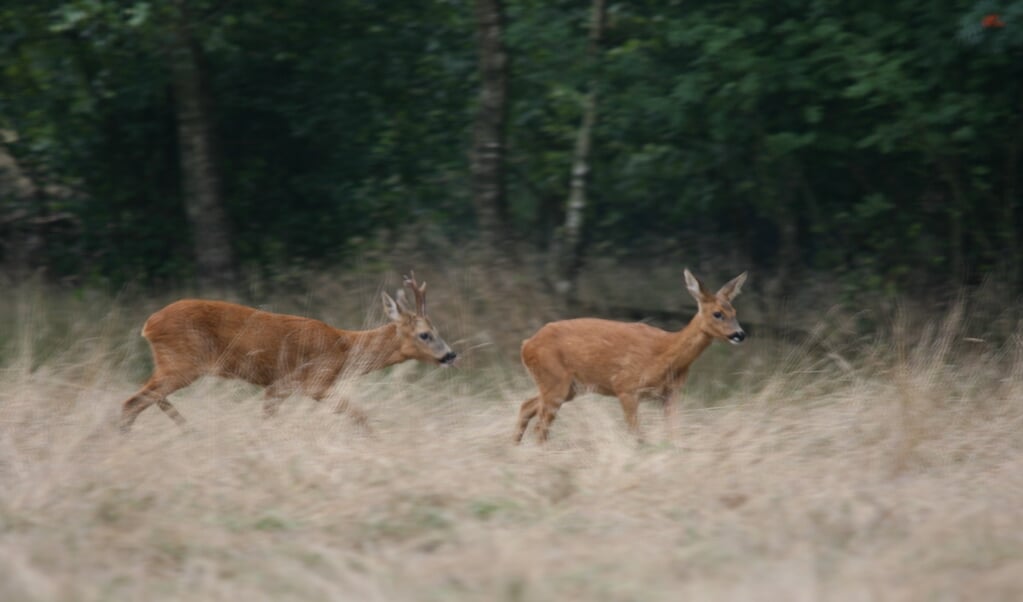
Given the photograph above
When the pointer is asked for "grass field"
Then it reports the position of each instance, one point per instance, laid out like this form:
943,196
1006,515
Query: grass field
855,463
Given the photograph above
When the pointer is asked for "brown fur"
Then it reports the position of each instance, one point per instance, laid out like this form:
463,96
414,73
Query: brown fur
283,353
629,361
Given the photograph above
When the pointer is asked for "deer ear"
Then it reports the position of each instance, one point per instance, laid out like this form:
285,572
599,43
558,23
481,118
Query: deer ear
695,287
732,289
390,307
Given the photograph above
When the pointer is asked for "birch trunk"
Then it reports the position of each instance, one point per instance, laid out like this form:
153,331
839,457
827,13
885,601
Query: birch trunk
568,246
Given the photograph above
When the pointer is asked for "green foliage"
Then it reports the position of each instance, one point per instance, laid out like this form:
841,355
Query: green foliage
328,128
879,138
872,124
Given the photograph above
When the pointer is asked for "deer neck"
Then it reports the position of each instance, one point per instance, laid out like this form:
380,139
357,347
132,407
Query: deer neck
685,346
377,348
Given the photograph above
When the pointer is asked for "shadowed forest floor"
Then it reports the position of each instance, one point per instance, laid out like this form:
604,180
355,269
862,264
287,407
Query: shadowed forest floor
855,464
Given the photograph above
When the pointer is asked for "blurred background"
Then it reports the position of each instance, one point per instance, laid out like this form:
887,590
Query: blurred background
211,144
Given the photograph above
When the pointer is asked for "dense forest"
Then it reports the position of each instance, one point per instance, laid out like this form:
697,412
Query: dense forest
192,141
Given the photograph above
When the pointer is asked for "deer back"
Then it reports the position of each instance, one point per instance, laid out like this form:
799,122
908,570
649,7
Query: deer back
605,355
225,339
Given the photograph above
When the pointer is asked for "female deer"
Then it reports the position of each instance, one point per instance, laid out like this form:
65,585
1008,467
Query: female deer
626,360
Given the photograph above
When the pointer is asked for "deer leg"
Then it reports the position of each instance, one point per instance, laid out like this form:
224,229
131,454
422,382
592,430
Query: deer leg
548,411
273,397
670,415
671,411
156,390
549,406
671,400
171,411
131,408
555,386
529,409
321,390
344,406
630,404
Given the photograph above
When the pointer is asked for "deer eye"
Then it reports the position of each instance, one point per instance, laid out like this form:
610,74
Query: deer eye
425,336
718,315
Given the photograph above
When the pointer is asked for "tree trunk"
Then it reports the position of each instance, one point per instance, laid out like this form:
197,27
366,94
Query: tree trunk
488,146
569,258
567,255
200,170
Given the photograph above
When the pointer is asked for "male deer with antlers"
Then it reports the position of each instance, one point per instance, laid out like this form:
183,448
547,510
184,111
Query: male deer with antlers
626,360
284,354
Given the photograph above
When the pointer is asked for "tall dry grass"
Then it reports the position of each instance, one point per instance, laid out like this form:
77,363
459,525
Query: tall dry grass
853,463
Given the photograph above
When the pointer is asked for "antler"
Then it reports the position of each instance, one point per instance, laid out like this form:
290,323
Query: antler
419,290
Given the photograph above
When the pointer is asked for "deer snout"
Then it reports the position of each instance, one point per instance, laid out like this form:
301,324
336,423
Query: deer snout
737,337
448,359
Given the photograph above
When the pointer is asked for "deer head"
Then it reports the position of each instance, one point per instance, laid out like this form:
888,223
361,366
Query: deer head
419,339
716,314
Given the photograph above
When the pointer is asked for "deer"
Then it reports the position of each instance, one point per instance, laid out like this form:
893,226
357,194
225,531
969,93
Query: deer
627,360
282,353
